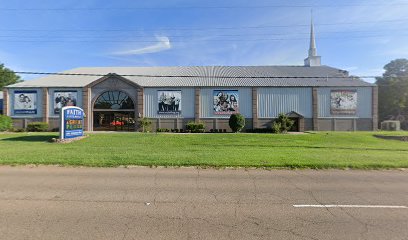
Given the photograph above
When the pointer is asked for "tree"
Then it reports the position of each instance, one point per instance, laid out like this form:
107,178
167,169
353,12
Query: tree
7,77
236,122
145,124
393,92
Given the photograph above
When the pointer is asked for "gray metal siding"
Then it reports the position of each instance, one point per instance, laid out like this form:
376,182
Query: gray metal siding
39,103
151,103
272,101
364,102
51,103
207,102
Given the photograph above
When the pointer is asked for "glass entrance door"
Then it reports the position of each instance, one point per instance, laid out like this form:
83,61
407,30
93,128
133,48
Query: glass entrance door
114,121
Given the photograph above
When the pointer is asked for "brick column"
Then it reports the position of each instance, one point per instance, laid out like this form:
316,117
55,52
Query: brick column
45,109
375,108
6,102
301,124
197,104
254,108
86,103
315,109
140,102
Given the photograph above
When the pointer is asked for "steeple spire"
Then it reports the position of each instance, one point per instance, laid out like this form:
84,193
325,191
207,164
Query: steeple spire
312,48
312,59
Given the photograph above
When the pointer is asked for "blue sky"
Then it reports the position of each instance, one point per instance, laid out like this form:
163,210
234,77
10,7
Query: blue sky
52,36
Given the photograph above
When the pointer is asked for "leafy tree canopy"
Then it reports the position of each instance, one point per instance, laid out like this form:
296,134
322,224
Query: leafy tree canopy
7,76
393,92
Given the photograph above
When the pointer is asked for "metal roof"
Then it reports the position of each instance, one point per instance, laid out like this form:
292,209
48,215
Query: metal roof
206,76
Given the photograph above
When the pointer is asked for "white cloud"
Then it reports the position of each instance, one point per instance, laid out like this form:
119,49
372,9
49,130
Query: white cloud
162,44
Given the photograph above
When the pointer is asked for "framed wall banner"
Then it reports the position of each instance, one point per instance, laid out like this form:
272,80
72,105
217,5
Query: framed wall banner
343,102
64,98
226,101
169,101
25,102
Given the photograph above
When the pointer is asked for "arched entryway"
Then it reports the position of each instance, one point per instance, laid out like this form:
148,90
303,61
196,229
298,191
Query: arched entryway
114,111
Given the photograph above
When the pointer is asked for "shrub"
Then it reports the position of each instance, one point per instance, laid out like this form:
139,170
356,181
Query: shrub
145,123
18,130
283,123
5,123
260,130
195,127
37,127
163,130
236,122
276,127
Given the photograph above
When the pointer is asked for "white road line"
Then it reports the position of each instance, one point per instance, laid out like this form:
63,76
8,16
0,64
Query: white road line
348,206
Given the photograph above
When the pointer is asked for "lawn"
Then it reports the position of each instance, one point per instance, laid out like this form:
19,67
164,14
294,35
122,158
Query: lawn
309,150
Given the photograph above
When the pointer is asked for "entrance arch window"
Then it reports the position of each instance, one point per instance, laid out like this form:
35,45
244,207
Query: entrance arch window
114,100
114,111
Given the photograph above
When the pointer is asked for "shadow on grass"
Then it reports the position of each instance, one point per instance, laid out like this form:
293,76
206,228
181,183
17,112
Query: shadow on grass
309,147
45,138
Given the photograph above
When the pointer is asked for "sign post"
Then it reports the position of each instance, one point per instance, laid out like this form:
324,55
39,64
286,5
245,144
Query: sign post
72,122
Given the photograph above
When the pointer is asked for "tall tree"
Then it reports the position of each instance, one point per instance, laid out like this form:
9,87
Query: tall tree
8,77
393,92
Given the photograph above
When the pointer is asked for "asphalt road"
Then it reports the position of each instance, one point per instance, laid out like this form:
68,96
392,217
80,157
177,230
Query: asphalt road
187,203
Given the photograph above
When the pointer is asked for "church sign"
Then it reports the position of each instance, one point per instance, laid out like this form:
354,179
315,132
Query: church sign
72,122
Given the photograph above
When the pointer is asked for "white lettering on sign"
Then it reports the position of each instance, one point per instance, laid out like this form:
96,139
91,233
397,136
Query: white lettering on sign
74,112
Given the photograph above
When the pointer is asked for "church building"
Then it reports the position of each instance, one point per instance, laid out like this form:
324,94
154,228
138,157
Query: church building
317,97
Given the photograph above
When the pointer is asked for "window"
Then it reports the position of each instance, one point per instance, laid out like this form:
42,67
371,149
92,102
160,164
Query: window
114,100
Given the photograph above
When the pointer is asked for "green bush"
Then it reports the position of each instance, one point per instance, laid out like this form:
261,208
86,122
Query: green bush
163,130
260,130
5,123
194,127
37,127
282,124
145,124
276,127
236,122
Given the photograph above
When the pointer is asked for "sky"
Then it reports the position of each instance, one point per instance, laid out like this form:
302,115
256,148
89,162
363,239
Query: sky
53,36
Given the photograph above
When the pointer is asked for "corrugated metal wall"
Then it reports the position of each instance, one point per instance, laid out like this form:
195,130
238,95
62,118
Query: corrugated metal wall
151,105
39,103
207,102
272,101
364,101
51,103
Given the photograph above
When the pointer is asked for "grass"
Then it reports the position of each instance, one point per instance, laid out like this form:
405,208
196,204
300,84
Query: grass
360,150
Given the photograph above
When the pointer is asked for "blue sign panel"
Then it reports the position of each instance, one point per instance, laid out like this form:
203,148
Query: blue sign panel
72,122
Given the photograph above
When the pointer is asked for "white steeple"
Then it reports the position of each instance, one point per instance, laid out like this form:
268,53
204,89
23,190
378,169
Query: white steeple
312,60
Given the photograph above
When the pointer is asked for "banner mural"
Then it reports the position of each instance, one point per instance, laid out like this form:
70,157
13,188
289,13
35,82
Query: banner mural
226,101
63,99
169,101
72,122
25,102
343,102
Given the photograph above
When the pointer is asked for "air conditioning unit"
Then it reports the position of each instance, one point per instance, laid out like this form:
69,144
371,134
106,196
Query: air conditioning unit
390,126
